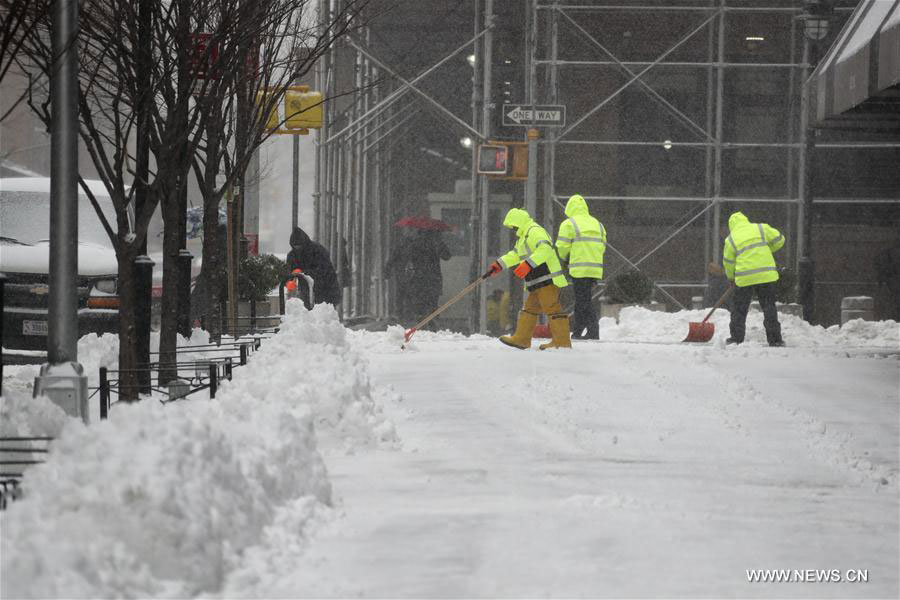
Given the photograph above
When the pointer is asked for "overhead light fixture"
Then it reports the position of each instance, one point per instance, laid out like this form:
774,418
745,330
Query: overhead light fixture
471,60
667,144
507,62
755,38
465,142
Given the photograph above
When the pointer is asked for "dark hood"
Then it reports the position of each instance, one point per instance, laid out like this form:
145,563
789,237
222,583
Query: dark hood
299,238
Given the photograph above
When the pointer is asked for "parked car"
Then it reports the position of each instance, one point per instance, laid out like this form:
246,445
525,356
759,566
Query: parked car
24,259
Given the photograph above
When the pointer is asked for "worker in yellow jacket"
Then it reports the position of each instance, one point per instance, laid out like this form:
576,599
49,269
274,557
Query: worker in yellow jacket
582,242
536,262
749,263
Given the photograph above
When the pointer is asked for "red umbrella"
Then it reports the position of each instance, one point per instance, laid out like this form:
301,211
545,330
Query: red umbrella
424,223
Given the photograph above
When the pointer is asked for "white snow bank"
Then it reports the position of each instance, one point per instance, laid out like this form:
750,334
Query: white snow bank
313,363
639,324
174,500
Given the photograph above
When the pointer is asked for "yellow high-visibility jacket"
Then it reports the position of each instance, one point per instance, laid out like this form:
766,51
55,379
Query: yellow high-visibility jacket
581,240
534,247
747,256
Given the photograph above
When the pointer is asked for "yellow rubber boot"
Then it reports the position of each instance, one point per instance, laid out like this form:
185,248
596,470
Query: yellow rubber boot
521,339
559,331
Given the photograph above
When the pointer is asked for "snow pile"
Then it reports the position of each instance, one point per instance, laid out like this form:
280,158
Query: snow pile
390,341
313,363
639,324
23,416
175,500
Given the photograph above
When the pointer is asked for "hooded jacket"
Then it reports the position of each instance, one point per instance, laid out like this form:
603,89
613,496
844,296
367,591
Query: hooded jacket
534,247
581,240
747,255
313,259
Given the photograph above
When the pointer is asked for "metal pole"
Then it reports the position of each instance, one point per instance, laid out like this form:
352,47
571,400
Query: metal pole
717,161
62,377
802,155
806,264
553,87
531,98
486,134
474,215
295,181
63,307
710,123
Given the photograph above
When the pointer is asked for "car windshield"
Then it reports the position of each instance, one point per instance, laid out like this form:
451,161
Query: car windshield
25,216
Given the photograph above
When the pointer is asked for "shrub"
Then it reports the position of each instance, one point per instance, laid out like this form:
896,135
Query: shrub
259,275
630,287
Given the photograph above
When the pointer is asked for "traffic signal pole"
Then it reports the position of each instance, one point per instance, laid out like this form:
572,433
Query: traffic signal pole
62,378
487,105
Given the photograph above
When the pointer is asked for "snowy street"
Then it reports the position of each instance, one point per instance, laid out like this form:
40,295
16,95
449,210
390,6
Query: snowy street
337,465
586,481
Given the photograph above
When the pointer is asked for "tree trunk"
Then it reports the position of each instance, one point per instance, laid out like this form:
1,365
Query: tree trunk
168,329
128,380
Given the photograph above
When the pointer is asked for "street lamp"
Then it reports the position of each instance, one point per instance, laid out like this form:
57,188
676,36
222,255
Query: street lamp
471,60
465,142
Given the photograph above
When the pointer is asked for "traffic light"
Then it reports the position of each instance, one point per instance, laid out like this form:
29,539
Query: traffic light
493,159
272,118
504,160
303,110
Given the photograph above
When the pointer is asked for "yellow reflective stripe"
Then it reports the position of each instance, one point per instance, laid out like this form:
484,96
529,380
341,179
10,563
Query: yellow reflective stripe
751,247
586,264
753,271
585,238
731,241
727,260
778,239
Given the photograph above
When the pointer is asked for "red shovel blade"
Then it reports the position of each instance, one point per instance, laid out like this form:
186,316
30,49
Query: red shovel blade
409,333
700,332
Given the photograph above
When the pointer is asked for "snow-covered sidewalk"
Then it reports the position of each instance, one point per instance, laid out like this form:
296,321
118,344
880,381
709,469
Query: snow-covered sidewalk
621,468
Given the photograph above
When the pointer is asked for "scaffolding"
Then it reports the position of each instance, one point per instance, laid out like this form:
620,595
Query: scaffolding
355,173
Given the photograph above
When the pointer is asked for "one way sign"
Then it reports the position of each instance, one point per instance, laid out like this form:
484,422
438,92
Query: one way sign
544,115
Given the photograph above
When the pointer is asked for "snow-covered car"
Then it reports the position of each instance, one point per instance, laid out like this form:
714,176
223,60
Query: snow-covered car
25,260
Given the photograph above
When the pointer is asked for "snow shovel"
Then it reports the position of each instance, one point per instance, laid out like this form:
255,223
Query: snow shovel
703,331
409,332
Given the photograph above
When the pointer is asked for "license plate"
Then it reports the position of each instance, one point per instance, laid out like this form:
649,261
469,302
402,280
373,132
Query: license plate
34,327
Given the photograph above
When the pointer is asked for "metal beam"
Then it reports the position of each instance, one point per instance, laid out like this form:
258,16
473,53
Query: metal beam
612,96
644,85
396,94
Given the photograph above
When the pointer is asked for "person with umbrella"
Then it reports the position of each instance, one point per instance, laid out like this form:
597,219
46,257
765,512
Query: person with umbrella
416,262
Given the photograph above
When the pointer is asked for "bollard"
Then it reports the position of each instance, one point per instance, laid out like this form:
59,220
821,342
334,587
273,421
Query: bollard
857,307
104,394
228,368
243,354
143,299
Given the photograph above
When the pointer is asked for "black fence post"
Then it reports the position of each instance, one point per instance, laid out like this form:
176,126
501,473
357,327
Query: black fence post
252,316
104,394
213,380
243,354
143,292
228,368
183,324
281,298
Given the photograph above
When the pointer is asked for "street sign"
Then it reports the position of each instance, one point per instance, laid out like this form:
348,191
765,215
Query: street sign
545,115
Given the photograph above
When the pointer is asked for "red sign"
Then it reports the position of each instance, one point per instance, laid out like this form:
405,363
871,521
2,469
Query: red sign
204,54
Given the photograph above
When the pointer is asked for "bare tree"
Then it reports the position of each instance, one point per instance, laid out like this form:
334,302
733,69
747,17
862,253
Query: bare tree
139,73
236,124
18,17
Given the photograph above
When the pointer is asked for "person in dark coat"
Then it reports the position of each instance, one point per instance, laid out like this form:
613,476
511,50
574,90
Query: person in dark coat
416,263
313,259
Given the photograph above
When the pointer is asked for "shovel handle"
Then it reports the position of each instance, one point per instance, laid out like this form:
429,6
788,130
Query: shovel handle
719,303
